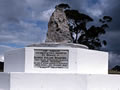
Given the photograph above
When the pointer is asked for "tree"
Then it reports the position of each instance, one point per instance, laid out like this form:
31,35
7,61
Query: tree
77,23
78,28
92,36
62,5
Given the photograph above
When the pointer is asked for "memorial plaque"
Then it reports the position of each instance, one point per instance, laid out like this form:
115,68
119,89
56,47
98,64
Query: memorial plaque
47,58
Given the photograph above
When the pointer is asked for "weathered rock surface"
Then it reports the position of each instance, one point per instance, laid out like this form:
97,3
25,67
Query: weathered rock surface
70,45
58,29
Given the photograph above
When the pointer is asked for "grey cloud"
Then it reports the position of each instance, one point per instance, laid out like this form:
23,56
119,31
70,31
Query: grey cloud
12,10
5,48
23,33
113,40
113,33
114,59
41,5
114,11
78,4
41,8
13,28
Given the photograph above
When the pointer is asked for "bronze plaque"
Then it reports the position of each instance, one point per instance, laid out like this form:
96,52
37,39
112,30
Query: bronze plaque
51,58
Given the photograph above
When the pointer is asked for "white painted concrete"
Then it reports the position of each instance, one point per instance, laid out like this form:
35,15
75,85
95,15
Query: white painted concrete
55,81
82,61
37,81
103,82
4,81
92,62
88,70
29,67
14,61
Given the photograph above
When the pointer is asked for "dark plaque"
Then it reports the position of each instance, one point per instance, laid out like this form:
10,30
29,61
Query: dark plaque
50,58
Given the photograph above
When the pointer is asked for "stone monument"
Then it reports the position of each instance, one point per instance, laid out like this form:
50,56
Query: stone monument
57,65
58,29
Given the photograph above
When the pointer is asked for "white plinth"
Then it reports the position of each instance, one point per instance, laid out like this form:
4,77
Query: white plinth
80,60
37,81
4,81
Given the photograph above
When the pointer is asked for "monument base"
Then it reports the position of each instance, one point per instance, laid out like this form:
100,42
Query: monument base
50,44
37,81
57,67
56,58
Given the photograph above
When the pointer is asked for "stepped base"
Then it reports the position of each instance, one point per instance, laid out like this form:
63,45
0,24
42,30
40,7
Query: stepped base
37,81
46,58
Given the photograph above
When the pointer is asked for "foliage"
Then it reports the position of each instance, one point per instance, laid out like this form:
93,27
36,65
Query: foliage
78,27
62,5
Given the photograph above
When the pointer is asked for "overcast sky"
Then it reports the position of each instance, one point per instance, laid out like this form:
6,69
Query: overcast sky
24,22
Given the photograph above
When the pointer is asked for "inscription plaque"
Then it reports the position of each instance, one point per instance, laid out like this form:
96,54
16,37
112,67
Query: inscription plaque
47,58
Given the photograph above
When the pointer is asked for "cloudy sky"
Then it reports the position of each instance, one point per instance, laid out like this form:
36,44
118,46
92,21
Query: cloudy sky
24,22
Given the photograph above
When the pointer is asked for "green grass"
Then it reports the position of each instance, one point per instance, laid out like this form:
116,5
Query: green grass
113,72
1,70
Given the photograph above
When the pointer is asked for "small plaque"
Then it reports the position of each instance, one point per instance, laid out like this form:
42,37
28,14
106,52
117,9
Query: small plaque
50,58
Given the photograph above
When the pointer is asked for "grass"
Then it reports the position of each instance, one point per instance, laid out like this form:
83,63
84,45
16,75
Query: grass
113,72
1,70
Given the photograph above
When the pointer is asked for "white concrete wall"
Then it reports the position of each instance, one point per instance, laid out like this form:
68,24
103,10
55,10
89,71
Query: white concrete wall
82,61
4,81
103,82
29,65
55,81
37,81
92,61
14,61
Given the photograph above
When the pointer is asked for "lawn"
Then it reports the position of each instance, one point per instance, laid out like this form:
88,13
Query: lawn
113,72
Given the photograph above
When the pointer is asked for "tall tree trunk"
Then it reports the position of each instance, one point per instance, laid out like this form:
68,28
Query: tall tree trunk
76,40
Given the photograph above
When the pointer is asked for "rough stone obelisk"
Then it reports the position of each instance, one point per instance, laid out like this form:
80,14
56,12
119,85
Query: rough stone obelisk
58,29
